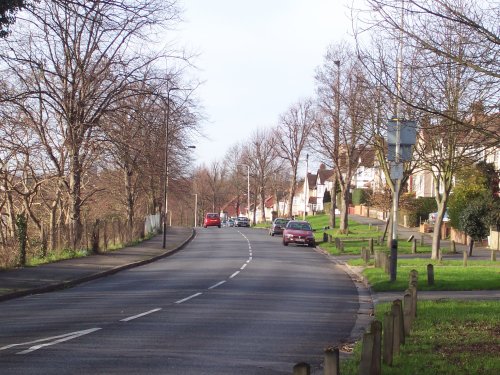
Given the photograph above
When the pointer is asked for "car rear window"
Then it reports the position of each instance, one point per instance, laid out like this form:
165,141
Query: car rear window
212,216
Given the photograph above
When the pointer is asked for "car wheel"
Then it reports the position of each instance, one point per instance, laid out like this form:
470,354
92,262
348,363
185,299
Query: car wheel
285,243
272,234
218,226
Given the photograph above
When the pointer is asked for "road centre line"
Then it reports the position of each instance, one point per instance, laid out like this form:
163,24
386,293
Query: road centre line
140,315
188,298
234,274
218,284
59,339
243,266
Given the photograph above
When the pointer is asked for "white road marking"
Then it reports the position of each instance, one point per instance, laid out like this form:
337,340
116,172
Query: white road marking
234,274
218,284
57,340
243,266
249,260
140,315
188,298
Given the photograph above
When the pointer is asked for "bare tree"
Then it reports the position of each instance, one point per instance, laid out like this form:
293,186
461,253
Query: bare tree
292,137
75,59
342,136
428,27
261,156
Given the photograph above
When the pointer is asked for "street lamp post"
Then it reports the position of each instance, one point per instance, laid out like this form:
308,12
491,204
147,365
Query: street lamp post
305,191
165,213
248,190
195,210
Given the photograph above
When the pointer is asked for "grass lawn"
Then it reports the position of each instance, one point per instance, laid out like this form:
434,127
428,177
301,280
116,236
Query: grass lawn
448,275
448,337
358,237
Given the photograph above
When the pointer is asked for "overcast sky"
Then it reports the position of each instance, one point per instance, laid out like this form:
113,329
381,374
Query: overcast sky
257,58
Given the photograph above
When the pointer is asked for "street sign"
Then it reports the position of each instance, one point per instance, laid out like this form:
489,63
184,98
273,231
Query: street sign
397,171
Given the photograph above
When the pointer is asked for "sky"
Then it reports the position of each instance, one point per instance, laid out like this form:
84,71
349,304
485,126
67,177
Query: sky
256,59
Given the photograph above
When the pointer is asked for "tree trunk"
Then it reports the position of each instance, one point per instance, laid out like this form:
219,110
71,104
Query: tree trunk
130,198
75,200
344,211
471,246
334,204
436,237
291,195
262,204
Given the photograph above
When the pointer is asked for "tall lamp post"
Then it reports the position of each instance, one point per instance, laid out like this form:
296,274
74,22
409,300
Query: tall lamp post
165,209
306,190
195,210
248,190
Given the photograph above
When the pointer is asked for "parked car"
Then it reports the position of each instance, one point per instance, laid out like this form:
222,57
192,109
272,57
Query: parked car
433,216
242,221
230,222
212,220
277,226
298,232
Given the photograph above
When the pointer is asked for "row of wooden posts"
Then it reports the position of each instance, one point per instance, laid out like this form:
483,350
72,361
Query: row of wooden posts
382,342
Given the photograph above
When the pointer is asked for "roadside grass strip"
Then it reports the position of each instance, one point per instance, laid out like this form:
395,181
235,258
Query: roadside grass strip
448,275
448,337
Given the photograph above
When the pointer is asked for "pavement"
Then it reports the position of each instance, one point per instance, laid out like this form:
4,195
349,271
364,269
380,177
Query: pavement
25,281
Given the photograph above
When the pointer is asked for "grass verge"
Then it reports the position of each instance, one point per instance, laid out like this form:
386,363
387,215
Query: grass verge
448,275
448,337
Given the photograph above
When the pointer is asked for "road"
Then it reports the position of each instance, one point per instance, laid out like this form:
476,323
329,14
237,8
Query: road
234,301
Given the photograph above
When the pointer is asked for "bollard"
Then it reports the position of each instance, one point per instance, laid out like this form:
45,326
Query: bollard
330,238
493,255
465,258
302,369
365,363
325,237
397,306
413,278
430,274
387,351
453,247
414,246
376,329
413,291
332,361
407,312
377,259
387,266
370,246
337,243
422,240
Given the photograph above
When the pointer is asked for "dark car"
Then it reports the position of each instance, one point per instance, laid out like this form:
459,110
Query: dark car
242,221
278,225
212,220
298,232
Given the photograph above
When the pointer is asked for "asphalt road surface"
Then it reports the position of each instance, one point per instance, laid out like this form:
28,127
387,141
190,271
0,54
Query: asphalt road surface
233,301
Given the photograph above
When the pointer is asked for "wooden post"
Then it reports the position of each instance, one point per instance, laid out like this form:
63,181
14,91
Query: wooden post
376,330
388,350
370,245
302,369
399,337
465,258
407,312
430,274
493,255
422,240
413,291
413,277
332,361
365,363
377,259
330,238
337,243
325,237
414,246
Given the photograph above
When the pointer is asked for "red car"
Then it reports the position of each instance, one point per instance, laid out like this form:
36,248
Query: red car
298,232
211,220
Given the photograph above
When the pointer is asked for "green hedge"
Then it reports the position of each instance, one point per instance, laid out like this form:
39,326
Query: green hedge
360,196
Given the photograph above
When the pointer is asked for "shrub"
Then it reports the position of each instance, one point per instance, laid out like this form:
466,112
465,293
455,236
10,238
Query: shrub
360,196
